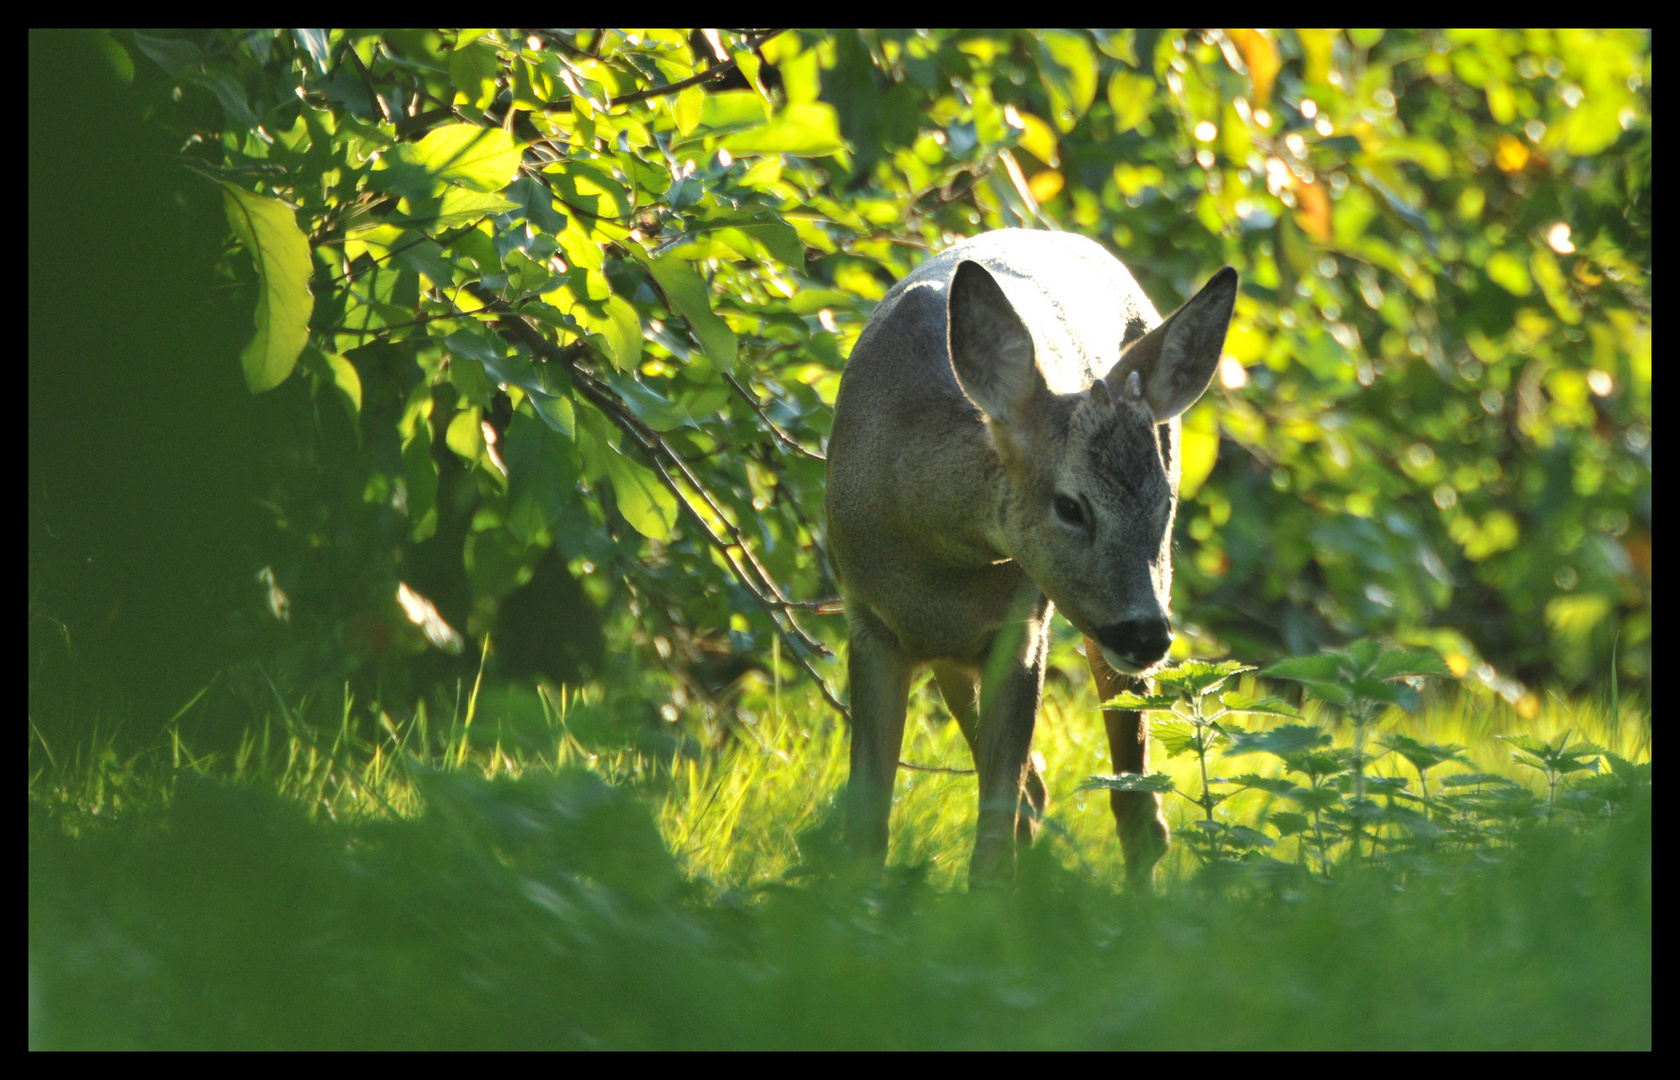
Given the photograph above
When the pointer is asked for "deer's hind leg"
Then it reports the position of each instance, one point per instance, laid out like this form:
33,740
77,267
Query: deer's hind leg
879,674
960,687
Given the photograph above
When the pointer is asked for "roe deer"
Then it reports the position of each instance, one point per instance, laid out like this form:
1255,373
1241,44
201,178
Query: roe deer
1006,439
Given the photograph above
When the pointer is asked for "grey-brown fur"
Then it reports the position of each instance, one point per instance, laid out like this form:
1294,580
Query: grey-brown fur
1005,439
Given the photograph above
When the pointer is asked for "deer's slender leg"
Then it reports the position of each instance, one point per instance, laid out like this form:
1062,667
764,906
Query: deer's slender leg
1137,814
880,688
960,687
1011,687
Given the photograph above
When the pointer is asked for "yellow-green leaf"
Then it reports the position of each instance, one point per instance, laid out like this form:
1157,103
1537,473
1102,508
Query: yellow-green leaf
747,61
1068,66
280,252
810,129
621,328
473,70
483,159
645,503
686,291
590,188
346,378
465,436
686,109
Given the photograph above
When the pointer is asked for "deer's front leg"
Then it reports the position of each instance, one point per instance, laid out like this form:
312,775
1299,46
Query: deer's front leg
1137,814
879,674
1010,690
960,687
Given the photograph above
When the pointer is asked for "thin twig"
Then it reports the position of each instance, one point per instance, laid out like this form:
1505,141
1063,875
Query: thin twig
935,768
367,80
760,583
781,436
709,75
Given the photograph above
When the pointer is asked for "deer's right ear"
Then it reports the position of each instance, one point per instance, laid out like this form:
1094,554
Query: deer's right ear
990,346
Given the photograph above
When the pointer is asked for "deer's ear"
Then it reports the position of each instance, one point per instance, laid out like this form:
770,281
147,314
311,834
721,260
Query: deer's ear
991,349
1169,367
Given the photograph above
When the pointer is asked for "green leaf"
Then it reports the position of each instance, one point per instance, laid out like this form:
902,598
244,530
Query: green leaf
1310,799
1177,736
646,504
748,63
280,253
464,435
652,409
1397,663
1288,739
808,129
1068,66
1275,784
1509,273
731,110
619,326
1374,690
687,108
1288,824
1195,677
532,197
1324,667
423,256
779,238
174,56
589,188
459,206
548,387
1244,837
473,69
542,472
1236,701
421,471
689,297
348,381
231,96
1320,762
1628,771
1128,782
479,159
1422,755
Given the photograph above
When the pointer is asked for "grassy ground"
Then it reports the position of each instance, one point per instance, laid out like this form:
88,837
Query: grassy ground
424,881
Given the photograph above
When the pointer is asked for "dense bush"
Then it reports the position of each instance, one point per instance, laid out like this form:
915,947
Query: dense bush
549,323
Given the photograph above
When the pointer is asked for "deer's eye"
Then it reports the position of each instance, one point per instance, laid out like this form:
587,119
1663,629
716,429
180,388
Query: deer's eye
1069,510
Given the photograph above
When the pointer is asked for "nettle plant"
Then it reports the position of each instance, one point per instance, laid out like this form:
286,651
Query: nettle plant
1340,812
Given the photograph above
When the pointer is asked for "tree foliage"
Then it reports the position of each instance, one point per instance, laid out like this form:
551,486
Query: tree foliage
562,314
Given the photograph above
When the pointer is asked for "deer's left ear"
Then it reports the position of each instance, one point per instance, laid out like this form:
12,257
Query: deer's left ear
1169,367
991,348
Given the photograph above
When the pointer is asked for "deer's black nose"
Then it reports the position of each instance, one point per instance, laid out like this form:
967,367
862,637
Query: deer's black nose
1140,642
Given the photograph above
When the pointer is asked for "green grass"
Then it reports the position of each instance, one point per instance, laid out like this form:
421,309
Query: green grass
516,874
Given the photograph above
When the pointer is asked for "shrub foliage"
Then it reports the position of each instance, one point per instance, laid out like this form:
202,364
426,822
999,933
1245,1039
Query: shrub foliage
570,307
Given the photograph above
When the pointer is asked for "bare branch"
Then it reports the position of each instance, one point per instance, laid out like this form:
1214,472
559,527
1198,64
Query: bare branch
781,436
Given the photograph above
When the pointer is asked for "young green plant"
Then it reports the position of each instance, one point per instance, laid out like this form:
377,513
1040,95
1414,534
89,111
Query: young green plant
1361,681
1188,691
